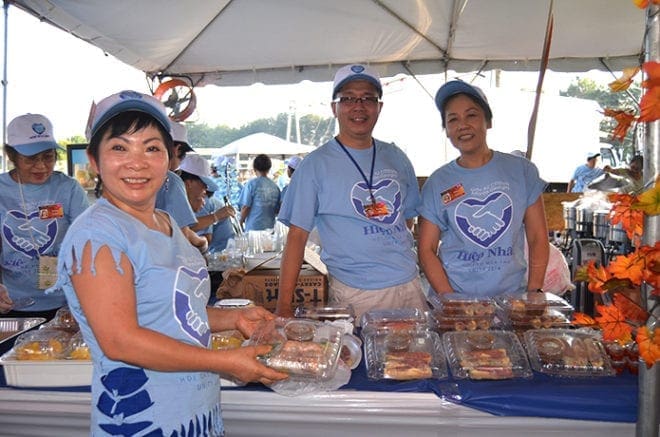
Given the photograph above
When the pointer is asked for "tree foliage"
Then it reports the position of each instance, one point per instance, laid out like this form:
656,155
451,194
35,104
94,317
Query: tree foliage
585,88
314,130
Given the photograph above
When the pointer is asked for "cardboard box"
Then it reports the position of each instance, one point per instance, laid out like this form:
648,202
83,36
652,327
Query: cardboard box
261,286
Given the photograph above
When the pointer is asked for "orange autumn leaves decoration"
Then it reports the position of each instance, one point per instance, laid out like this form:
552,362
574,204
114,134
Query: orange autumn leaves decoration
620,319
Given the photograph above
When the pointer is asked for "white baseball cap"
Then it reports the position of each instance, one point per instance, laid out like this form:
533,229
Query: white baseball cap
30,134
293,162
353,72
180,135
125,101
197,165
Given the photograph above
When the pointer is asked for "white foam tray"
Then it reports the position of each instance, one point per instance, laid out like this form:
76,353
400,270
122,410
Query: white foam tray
55,373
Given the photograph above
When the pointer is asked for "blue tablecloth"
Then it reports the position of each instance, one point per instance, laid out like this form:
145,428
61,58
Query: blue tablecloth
611,399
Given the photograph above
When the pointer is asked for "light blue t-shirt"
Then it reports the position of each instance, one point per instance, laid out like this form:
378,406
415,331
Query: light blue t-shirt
220,232
33,229
172,199
172,287
328,191
263,197
583,176
480,214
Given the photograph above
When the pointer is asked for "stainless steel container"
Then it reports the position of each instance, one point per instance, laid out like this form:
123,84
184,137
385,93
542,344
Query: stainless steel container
569,218
601,224
584,221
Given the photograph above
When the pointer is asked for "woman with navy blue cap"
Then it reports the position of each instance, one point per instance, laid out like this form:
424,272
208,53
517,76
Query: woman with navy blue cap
139,289
37,206
481,206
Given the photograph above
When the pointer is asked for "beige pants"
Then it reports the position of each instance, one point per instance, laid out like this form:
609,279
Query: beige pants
408,295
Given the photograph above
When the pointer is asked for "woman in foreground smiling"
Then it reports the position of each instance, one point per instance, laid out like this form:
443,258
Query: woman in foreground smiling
139,289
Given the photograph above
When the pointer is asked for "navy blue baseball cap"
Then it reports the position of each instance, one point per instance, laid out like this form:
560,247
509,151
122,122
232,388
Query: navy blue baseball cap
455,87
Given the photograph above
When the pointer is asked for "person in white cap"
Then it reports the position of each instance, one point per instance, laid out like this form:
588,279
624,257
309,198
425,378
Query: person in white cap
172,195
481,206
37,205
291,166
584,174
196,175
362,196
139,290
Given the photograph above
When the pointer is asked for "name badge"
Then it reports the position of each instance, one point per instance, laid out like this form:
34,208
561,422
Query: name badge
377,209
453,193
51,211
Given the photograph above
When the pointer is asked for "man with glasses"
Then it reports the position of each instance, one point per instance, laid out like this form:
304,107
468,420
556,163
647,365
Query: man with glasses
362,195
37,205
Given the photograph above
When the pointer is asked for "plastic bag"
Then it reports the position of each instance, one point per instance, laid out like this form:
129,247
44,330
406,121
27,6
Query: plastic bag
557,274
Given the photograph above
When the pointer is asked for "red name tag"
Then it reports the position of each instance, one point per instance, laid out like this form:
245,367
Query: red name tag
51,211
377,209
453,193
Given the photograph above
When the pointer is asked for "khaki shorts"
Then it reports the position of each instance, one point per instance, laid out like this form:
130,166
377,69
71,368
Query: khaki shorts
407,295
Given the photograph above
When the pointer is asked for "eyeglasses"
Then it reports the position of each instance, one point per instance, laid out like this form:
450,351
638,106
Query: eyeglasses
46,158
352,101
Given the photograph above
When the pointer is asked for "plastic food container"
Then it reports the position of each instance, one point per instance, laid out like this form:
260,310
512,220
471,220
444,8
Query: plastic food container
456,304
533,304
303,348
550,318
351,351
78,349
404,354
485,355
401,319
563,352
63,320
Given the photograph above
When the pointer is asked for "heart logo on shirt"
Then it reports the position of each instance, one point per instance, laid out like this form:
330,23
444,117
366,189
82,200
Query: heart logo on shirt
484,221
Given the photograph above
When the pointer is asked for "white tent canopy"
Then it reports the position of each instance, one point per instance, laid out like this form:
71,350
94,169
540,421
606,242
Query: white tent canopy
267,144
240,42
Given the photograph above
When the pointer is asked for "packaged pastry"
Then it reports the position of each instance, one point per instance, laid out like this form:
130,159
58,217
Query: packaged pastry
43,344
78,349
565,352
549,318
394,319
303,348
225,340
404,354
63,320
533,304
485,355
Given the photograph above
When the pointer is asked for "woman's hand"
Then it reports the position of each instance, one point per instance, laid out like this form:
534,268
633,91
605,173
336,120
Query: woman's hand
6,303
248,319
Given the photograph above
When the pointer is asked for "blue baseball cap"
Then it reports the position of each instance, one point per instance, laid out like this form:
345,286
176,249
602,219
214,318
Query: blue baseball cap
455,87
125,101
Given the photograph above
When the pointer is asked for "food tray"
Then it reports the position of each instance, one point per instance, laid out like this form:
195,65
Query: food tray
54,373
570,353
404,355
10,327
485,355
401,318
303,348
453,322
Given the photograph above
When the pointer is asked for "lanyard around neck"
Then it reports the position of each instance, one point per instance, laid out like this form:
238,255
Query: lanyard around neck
369,181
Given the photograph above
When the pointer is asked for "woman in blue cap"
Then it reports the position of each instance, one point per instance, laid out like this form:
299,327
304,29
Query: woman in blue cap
139,289
482,206
37,206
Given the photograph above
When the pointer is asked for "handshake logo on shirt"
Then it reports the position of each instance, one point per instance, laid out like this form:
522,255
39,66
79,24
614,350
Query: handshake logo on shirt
29,234
485,220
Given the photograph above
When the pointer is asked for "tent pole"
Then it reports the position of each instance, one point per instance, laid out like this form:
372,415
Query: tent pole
649,379
4,89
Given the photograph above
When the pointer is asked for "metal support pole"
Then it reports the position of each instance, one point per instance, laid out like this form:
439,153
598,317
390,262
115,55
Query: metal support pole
649,379
3,164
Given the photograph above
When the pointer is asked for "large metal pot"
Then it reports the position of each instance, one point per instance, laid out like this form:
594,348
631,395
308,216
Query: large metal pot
584,220
617,234
569,218
601,224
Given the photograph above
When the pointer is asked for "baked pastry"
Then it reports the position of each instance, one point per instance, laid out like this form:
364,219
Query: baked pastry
407,365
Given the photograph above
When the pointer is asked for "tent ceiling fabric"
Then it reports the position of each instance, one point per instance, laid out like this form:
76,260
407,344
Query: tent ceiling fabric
240,42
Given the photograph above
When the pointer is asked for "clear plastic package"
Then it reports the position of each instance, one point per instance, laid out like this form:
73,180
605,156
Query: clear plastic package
564,352
42,345
63,320
303,348
456,304
10,327
404,354
401,318
533,304
78,349
547,319
351,351
485,355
